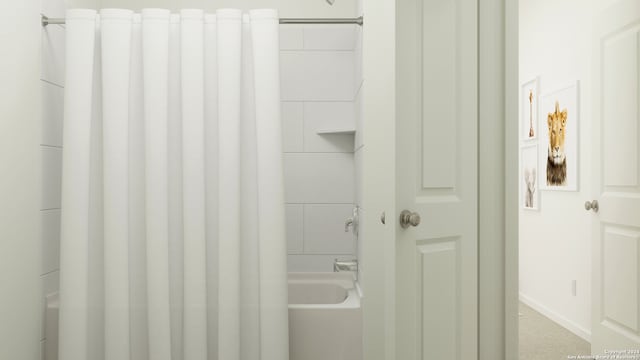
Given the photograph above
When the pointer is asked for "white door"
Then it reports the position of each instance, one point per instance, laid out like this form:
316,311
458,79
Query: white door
616,226
436,177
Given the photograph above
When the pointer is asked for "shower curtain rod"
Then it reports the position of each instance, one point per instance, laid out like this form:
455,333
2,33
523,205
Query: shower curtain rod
358,21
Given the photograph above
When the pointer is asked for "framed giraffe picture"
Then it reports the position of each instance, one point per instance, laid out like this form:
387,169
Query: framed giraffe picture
529,109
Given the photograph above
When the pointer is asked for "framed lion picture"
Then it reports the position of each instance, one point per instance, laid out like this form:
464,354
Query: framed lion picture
558,147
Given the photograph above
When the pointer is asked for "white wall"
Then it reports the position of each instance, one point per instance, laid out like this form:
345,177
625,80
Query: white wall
19,191
318,91
30,137
555,44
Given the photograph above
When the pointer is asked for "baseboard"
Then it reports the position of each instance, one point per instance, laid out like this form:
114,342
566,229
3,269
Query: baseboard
555,317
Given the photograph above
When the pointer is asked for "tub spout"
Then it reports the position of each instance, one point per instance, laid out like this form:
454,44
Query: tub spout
347,265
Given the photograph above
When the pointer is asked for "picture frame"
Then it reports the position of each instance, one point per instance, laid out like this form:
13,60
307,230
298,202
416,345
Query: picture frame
559,138
529,179
529,105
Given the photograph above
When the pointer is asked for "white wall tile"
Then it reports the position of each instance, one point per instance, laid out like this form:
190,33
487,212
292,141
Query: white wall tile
328,115
357,162
52,114
50,240
53,49
360,240
317,75
50,284
357,63
292,127
52,8
313,263
291,37
359,120
329,37
295,228
51,177
51,324
320,178
51,118
324,229
319,169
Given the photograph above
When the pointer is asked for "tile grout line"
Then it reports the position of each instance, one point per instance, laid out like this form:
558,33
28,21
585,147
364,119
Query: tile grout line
49,273
51,146
52,83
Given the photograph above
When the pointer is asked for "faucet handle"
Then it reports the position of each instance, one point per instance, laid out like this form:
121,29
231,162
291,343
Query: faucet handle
347,224
352,222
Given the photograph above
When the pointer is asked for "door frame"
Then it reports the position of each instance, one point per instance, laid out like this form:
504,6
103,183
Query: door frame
511,156
511,221
498,183
498,188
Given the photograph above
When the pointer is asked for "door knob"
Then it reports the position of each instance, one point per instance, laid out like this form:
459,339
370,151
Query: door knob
408,218
592,205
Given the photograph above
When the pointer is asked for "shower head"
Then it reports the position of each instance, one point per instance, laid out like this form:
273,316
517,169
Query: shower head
330,2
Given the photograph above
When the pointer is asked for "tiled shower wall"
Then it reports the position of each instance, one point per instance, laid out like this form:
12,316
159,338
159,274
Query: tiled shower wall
318,92
359,145
52,92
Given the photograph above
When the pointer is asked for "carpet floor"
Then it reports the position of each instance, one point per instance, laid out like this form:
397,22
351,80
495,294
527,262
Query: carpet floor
543,339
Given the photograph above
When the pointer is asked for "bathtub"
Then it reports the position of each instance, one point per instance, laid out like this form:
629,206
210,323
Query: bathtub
325,317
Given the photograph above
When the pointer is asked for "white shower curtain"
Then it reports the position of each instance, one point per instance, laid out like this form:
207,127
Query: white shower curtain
173,242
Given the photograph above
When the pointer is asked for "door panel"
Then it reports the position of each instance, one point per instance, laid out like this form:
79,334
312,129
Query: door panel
620,102
620,277
438,57
616,229
439,329
436,176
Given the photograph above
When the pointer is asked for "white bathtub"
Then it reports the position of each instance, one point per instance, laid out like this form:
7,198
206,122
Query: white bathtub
325,318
